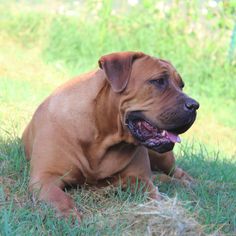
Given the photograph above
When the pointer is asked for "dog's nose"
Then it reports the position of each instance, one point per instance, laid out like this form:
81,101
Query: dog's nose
191,104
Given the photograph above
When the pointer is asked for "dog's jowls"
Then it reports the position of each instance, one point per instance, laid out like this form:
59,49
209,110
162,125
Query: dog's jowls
116,123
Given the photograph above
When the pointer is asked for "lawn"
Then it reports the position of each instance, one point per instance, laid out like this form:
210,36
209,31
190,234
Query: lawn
43,44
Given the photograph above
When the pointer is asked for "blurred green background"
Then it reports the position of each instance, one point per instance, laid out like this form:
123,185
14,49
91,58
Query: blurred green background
44,43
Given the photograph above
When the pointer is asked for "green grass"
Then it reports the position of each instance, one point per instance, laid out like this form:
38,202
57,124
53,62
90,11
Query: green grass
211,199
213,194
40,49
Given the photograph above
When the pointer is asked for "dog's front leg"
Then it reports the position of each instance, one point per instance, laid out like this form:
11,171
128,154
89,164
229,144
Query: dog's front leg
165,163
138,173
50,190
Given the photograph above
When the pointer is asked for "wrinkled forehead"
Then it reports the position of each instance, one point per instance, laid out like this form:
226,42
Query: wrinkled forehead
166,65
151,66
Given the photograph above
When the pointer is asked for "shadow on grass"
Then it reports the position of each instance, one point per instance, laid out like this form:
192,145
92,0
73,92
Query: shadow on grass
212,199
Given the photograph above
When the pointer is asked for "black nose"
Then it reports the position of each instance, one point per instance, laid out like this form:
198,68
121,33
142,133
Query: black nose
191,104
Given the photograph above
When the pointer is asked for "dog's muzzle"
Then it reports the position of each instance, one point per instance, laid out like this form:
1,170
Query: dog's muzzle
151,136
161,139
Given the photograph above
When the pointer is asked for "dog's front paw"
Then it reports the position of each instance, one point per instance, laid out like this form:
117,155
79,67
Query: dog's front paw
155,194
183,177
70,214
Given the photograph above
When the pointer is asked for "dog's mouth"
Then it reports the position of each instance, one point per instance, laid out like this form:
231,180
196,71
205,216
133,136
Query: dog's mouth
151,136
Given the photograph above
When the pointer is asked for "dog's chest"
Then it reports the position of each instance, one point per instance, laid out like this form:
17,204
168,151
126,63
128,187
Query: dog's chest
115,159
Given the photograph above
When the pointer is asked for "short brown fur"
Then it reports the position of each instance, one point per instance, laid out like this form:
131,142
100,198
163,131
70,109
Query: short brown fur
78,134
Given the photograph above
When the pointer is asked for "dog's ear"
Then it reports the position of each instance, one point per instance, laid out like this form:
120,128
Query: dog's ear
117,67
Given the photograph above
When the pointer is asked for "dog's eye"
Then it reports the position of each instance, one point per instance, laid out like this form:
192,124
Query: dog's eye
159,83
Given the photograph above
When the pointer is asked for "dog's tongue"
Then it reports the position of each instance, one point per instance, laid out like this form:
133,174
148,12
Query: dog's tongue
174,138
150,131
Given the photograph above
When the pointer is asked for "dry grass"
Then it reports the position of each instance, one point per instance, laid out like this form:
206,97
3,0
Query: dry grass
102,207
165,217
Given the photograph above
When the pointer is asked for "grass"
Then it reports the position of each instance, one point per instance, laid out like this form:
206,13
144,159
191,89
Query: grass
41,48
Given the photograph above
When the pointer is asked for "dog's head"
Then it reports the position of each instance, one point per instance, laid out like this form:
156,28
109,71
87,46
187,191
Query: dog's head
152,103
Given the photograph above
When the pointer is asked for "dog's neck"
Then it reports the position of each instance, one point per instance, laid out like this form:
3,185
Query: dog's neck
109,120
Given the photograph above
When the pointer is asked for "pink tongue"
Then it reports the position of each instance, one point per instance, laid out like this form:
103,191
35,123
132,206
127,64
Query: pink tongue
174,138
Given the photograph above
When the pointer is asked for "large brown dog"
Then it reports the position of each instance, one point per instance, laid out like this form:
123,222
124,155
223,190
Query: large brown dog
115,123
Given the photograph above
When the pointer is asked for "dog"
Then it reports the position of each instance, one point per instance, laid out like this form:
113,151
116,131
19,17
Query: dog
117,123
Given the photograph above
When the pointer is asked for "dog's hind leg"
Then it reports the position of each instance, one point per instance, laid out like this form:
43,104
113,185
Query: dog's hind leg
27,141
